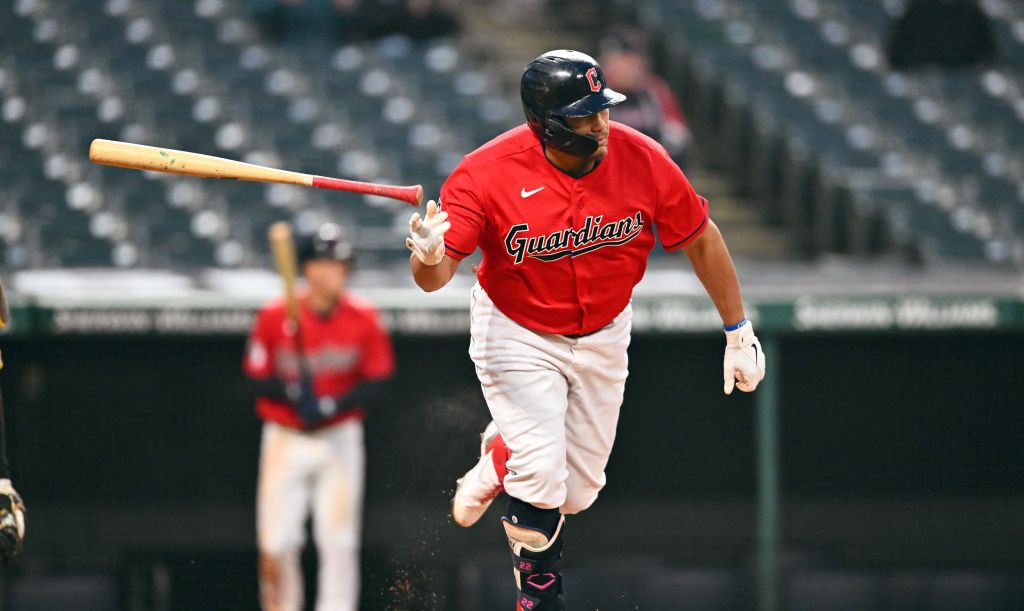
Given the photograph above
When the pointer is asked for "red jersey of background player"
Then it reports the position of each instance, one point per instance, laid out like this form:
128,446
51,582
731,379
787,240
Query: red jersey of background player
562,254
343,349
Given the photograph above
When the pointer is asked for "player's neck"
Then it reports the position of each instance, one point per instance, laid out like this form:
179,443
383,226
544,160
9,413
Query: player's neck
570,164
323,304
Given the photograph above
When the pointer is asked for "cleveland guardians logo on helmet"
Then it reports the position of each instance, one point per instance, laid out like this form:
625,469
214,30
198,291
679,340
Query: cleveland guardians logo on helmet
562,84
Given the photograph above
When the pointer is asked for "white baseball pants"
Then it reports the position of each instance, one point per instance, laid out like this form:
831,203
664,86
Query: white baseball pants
555,400
323,470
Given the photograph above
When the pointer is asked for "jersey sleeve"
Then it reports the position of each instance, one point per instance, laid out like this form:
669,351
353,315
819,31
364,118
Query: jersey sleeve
258,361
681,215
459,199
378,356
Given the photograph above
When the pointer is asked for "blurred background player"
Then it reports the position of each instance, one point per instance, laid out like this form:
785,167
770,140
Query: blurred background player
650,107
313,385
12,509
564,210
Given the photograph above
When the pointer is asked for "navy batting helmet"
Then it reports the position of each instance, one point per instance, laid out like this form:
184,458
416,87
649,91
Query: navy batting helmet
564,84
328,243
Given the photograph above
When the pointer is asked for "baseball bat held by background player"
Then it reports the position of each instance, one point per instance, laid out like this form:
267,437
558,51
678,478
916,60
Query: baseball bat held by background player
156,159
283,248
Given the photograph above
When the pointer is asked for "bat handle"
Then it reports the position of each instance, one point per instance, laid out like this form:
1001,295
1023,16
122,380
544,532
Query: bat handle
411,194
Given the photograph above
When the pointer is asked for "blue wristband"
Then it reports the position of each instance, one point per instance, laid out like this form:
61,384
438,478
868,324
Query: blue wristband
736,326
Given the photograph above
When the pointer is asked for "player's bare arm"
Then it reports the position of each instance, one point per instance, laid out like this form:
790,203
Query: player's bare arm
431,268
432,277
713,265
744,364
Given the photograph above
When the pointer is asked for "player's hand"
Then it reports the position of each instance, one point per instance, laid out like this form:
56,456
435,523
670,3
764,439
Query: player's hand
744,360
300,393
426,235
12,522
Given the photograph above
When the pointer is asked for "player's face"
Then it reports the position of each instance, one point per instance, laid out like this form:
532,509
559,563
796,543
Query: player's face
325,278
595,125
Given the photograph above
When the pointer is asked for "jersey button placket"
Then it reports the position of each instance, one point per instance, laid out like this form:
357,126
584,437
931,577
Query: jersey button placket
577,205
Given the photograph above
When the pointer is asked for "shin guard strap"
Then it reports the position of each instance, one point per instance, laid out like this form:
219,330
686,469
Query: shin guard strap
527,602
529,516
535,565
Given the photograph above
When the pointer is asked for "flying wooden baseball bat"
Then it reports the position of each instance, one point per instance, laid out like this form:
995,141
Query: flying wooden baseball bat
156,159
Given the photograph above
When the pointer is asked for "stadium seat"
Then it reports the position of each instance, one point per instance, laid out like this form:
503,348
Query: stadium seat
204,81
803,103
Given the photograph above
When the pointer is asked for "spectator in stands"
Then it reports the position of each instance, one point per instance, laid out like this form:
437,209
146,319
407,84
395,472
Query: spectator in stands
354,20
651,106
417,19
273,16
428,19
947,33
300,19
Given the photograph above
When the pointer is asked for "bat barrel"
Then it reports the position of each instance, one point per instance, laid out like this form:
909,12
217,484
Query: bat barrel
187,163
155,159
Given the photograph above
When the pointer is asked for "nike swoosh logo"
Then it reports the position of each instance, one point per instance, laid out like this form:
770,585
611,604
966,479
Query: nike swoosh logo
524,193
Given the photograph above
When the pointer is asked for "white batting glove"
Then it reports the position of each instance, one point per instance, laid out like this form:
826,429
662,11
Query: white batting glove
744,360
426,236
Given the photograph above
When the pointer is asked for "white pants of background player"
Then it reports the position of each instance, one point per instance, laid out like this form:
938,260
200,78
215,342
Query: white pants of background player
323,471
555,400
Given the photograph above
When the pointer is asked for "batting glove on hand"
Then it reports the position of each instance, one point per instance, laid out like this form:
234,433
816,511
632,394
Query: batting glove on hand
301,394
12,522
426,236
744,360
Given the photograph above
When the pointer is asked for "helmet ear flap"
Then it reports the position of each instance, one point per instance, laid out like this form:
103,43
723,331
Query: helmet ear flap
561,137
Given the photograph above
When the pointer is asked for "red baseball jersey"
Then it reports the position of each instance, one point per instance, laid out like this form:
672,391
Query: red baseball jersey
341,350
562,254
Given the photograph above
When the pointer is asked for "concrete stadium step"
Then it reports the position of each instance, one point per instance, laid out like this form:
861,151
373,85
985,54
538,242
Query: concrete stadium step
738,218
515,33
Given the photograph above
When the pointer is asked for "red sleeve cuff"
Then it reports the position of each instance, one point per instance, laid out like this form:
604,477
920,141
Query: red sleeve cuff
693,235
455,254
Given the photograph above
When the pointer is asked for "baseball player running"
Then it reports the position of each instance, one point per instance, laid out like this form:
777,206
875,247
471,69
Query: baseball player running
12,509
564,210
313,382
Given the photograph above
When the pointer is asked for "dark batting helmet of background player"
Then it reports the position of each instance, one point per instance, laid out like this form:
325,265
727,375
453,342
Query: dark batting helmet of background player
563,84
328,243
